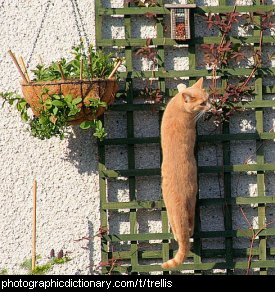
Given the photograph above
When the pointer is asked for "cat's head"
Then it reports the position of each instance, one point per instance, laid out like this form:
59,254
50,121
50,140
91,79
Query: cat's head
195,98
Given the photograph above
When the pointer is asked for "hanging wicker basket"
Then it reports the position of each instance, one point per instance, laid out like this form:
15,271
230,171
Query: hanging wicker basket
103,89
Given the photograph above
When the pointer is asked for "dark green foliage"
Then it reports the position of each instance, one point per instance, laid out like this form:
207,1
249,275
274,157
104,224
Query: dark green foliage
101,66
57,111
53,119
21,105
43,269
97,125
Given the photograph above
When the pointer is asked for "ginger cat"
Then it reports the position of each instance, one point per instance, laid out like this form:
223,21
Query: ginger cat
179,170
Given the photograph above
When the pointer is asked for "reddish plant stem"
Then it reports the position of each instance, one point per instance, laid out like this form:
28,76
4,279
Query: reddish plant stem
253,237
245,217
225,33
220,57
101,231
257,65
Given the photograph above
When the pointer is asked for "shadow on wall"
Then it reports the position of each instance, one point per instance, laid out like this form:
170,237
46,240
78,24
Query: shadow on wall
90,247
89,240
82,150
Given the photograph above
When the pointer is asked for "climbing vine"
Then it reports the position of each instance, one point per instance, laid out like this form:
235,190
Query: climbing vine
218,56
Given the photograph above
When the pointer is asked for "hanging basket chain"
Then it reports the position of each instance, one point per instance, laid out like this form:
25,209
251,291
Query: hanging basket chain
84,55
76,11
76,20
38,32
81,21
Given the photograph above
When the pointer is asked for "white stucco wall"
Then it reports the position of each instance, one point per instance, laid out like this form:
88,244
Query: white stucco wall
66,171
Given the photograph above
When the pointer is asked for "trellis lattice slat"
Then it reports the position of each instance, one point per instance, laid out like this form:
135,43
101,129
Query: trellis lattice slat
229,258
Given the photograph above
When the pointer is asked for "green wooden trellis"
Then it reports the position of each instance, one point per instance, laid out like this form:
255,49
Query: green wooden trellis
262,252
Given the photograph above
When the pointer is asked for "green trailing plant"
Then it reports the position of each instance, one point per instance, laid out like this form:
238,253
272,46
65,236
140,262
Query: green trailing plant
99,65
55,115
42,269
57,111
18,101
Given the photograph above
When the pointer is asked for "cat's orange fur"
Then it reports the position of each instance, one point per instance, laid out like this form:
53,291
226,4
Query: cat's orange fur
179,171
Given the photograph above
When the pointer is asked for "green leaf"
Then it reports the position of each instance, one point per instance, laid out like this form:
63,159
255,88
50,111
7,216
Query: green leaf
56,96
60,261
45,90
86,125
100,135
70,106
102,65
99,131
43,120
68,98
48,103
58,103
99,125
55,110
76,100
73,112
20,105
24,117
41,270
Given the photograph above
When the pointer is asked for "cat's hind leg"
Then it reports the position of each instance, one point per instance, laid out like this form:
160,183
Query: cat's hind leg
171,221
191,220
173,230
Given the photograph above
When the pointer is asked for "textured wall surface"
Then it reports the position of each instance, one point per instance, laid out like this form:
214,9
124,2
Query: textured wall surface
66,171
68,197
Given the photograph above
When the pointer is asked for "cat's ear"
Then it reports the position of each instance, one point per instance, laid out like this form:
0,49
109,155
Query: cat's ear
186,97
198,84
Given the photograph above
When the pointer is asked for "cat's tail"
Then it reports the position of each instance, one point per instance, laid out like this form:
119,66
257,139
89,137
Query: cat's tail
183,242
